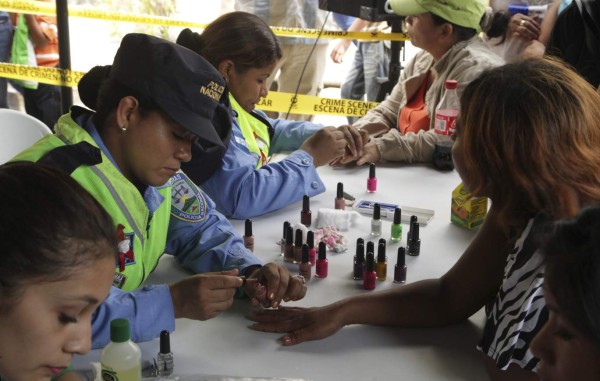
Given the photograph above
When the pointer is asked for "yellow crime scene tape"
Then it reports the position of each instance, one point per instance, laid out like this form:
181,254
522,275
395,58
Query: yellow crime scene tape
313,105
48,75
39,7
275,101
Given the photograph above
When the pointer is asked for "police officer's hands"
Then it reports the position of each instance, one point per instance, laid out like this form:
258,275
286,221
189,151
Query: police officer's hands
355,141
277,284
204,296
325,145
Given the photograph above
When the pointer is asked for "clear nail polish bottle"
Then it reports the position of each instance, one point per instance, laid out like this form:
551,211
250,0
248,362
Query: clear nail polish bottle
376,221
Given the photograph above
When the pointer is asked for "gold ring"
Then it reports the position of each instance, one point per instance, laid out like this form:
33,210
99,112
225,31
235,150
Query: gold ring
522,23
302,279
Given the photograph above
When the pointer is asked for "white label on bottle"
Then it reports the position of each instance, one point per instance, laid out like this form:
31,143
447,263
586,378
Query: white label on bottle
445,122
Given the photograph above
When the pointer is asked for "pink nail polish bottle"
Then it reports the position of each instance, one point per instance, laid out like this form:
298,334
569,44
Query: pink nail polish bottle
322,263
372,180
340,203
370,275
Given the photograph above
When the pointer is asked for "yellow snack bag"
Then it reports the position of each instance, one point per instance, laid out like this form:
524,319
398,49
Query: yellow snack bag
467,211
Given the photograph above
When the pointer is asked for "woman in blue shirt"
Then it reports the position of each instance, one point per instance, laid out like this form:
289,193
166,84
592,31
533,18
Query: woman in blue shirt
156,106
244,50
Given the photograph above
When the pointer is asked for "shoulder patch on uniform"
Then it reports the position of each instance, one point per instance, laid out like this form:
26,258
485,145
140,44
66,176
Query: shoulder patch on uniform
187,202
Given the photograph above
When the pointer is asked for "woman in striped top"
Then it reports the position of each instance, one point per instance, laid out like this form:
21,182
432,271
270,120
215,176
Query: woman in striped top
527,137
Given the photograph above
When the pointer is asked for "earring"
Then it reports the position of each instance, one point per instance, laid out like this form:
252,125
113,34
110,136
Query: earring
123,129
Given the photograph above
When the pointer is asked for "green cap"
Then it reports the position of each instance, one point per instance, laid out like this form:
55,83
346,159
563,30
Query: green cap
467,13
119,330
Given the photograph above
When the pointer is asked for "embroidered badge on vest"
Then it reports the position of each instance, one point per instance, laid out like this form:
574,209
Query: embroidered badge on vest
119,280
125,245
188,203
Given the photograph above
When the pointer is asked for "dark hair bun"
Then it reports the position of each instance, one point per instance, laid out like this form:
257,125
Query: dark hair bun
190,40
89,85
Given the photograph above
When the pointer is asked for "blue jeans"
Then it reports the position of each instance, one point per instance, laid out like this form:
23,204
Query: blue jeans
6,34
370,62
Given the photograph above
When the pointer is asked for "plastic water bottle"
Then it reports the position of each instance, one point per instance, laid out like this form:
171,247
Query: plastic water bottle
445,125
121,358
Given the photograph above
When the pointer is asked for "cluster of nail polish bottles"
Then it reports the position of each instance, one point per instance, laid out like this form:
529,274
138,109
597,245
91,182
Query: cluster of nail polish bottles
369,268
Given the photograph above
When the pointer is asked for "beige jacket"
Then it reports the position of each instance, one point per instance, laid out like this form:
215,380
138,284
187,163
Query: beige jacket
463,62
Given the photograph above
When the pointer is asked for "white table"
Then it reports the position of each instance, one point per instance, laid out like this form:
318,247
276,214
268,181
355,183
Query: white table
224,346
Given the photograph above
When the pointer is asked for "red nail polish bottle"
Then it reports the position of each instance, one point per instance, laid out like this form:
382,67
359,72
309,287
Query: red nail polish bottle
322,263
306,214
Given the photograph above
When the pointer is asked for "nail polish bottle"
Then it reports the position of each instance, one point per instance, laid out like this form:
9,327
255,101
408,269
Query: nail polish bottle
359,241
289,245
164,359
312,251
400,268
372,180
322,263
306,214
376,221
397,225
370,275
413,220
248,237
305,267
359,261
369,249
414,245
298,246
285,226
381,265
340,203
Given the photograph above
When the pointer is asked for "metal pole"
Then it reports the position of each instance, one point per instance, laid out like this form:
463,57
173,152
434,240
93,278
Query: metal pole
64,51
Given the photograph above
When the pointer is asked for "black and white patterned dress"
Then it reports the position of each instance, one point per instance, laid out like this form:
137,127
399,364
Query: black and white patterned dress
519,309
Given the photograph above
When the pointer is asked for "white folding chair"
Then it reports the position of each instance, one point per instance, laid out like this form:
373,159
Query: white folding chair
18,131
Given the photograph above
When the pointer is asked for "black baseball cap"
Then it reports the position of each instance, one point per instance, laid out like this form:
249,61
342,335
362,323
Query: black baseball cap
181,82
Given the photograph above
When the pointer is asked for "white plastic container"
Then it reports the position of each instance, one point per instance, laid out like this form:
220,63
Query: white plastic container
121,358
